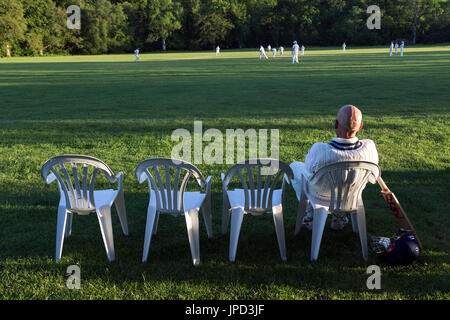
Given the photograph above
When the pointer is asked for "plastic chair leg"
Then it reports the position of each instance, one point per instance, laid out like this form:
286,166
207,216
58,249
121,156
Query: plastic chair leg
151,214
320,217
68,231
61,226
193,233
156,223
354,217
302,204
225,213
121,211
237,215
104,219
206,212
362,231
279,228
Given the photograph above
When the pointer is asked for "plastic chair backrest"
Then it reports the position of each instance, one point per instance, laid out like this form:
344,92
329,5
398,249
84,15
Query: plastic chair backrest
79,193
169,197
346,180
259,190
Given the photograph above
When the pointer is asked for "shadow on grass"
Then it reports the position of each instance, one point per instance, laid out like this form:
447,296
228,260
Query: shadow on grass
88,134
29,227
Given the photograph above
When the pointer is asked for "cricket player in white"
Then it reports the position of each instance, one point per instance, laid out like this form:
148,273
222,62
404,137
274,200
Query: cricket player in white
217,50
274,51
269,47
281,51
344,46
295,49
262,53
136,53
391,48
396,47
344,147
302,51
401,48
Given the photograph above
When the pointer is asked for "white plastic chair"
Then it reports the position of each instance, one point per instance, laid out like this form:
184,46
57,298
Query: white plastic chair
168,198
255,199
344,183
78,196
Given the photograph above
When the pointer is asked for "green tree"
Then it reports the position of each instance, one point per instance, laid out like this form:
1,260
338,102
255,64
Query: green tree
103,27
425,14
213,27
45,26
164,18
12,24
137,22
239,17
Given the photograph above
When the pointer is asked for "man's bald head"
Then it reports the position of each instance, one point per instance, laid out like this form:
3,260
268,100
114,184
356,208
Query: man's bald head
348,122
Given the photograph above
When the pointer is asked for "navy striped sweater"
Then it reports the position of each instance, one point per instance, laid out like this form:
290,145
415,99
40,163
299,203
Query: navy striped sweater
345,146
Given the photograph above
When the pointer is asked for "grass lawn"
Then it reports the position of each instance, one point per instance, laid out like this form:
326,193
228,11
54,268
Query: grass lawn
123,112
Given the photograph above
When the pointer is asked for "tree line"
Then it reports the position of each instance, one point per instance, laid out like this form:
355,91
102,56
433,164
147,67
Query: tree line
33,27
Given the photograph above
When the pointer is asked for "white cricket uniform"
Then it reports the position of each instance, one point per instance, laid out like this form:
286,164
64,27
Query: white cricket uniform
391,48
344,46
274,51
396,48
217,50
281,51
136,53
269,47
401,49
295,49
302,52
262,53
322,154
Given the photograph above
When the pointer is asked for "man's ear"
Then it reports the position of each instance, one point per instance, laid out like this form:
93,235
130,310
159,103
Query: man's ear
336,124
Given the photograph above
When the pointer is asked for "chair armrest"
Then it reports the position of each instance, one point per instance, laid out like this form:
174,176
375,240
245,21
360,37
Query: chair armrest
286,178
208,184
119,177
222,176
142,177
50,178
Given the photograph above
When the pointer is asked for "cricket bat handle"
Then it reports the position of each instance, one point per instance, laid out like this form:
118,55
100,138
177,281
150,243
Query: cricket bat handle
383,185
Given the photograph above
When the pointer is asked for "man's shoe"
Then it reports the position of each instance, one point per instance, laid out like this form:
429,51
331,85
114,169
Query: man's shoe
338,222
307,222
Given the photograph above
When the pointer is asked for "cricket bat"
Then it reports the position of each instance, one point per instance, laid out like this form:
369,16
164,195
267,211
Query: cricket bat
397,210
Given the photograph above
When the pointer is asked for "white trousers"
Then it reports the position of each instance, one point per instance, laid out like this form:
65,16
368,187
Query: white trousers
262,54
295,58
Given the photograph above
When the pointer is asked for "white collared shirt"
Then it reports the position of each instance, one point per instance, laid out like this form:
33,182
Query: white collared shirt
322,154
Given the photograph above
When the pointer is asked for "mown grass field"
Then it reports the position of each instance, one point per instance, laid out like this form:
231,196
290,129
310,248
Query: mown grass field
123,112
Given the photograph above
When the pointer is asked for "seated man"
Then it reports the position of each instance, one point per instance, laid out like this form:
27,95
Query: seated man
344,147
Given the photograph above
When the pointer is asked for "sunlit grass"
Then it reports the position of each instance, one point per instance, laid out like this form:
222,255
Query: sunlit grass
93,105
